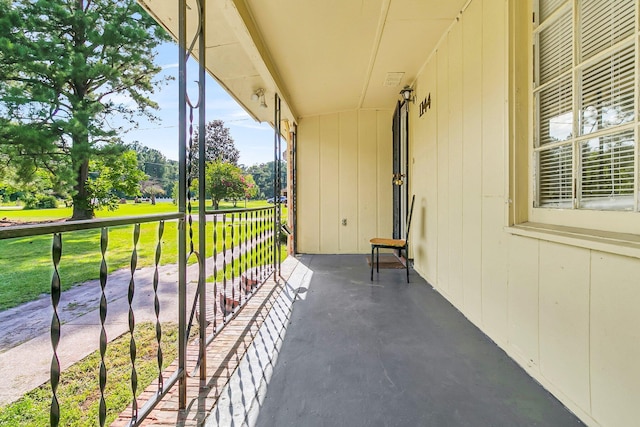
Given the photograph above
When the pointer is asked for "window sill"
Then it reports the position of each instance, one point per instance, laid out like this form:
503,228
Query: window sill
603,241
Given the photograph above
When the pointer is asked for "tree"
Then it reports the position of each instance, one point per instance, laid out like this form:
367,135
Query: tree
263,175
152,189
224,180
67,68
109,178
252,189
159,169
219,146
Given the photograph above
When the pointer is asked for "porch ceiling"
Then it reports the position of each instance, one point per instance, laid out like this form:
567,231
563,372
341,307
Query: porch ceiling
322,57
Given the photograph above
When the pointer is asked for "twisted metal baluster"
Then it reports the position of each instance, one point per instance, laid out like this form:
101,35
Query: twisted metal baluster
104,240
233,265
240,257
262,244
56,254
258,243
223,300
269,232
252,238
272,246
132,341
156,305
265,244
246,252
274,221
190,179
215,272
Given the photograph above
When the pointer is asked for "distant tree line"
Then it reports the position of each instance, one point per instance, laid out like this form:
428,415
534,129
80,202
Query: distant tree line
225,179
263,175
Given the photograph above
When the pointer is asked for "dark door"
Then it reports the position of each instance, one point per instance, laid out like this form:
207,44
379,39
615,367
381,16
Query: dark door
400,169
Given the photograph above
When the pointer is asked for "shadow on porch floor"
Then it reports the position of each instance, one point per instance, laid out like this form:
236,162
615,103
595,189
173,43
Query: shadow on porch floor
363,353
358,353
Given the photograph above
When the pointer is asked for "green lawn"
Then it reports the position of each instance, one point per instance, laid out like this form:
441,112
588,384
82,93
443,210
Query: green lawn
79,392
26,266
63,213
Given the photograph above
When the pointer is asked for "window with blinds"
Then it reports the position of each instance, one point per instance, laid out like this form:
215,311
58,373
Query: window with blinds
585,91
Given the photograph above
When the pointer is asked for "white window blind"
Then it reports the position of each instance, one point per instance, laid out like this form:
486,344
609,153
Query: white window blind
604,23
556,177
585,91
548,7
607,173
555,48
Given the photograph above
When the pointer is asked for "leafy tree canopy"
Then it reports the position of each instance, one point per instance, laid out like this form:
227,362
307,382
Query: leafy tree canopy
160,170
219,146
225,181
152,189
109,179
67,69
263,175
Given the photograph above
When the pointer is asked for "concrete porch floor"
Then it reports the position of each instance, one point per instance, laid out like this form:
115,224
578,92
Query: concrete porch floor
388,353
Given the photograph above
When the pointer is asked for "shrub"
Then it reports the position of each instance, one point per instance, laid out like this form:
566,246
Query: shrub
40,201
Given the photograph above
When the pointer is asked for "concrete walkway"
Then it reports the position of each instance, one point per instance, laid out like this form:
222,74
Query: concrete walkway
25,342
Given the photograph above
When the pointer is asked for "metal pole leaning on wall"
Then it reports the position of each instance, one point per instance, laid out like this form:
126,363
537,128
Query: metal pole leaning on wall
182,189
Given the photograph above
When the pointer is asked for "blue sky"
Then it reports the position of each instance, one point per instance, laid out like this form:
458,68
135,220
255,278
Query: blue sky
253,139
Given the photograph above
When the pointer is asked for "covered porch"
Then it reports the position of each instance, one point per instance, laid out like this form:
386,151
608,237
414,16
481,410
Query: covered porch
337,349
388,353
514,310
551,285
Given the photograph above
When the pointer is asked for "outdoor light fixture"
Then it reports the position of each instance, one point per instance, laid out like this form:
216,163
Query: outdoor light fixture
406,93
258,95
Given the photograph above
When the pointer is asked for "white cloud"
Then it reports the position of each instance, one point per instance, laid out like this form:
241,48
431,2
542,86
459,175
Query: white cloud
251,124
168,66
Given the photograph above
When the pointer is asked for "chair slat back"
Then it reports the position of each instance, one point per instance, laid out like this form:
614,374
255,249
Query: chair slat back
413,198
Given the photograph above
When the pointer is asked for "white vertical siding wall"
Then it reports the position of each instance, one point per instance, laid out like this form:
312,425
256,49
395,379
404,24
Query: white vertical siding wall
569,315
344,172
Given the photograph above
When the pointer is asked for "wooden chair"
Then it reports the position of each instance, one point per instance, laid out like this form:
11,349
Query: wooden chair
398,244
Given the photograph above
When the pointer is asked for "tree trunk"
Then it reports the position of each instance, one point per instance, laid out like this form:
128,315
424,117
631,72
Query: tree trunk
82,208
153,199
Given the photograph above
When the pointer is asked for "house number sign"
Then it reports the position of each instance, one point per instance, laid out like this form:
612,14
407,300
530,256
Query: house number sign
425,104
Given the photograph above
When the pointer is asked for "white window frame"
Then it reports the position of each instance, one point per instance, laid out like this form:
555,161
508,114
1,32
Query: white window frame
572,215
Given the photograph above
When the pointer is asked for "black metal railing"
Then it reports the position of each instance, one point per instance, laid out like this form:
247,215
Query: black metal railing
245,251
60,232
242,243
243,259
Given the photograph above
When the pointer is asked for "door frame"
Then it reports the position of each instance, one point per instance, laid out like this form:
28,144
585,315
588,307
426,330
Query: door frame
400,169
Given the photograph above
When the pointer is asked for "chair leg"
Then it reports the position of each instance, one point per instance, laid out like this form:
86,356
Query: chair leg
372,247
406,262
378,260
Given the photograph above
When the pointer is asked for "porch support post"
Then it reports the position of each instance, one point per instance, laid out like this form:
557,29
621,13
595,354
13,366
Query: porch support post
202,200
277,184
182,203
292,189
